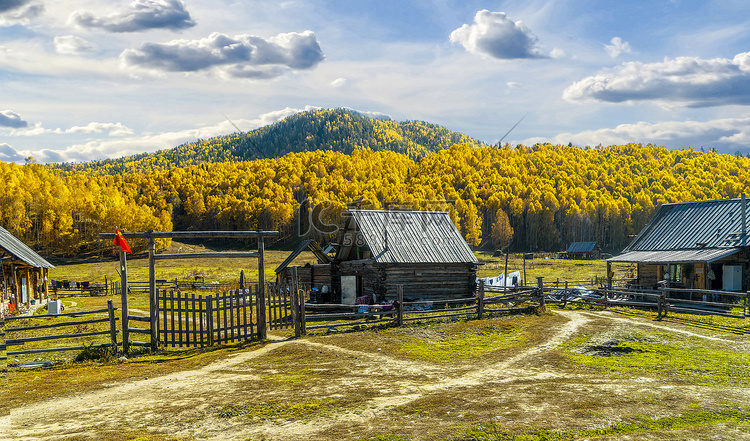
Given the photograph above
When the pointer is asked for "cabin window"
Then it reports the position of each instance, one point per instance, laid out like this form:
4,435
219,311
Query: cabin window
673,273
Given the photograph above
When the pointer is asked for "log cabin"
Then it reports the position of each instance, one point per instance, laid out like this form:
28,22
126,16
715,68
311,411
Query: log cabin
697,245
24,272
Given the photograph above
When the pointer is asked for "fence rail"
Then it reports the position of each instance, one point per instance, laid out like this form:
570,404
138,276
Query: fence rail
508,301
21,341
665,300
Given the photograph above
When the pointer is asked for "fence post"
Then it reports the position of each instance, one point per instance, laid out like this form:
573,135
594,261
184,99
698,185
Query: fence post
480,300
124,302
660,304
262,323
210,315
112,326
540,284
302,316
565,295
400,300
153,306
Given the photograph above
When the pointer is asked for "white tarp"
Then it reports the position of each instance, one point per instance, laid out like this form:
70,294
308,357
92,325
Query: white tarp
513,279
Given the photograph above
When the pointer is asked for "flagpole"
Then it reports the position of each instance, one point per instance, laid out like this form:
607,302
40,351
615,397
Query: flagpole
124,305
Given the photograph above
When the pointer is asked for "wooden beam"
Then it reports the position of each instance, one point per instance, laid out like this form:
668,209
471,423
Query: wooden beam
192,234
217,255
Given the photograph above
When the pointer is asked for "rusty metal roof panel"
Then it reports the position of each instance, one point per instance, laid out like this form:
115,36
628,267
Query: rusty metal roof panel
20,251
412,237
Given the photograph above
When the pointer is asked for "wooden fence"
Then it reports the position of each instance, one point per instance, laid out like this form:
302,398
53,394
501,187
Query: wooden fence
663,301
190,320
505,301
59,324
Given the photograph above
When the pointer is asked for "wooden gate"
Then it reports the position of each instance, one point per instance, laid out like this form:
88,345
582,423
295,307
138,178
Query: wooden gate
196,320
279,306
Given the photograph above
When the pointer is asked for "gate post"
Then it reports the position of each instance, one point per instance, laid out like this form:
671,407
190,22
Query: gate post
262,323
480,300
540,284
124,302
294,297
112,325
400,300
153,307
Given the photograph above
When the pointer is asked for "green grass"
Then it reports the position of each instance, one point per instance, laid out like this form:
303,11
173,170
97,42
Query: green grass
460,343
668,356
290,411
640,424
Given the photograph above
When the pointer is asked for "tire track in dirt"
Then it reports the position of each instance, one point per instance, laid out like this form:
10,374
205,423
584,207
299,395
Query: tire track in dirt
501,372
139,399
640,322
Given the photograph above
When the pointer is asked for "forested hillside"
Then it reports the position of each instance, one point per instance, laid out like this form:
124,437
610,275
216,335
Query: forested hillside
544,197
336,130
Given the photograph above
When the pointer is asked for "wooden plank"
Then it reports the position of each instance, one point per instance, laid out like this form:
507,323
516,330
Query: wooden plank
219,255
112,322
194,342
69,348
67,314
13,341
191,234
56,325
171,311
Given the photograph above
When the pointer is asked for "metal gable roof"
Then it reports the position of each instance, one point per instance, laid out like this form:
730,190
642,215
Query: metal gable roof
20,251
693,225
685,256
581,247
412,237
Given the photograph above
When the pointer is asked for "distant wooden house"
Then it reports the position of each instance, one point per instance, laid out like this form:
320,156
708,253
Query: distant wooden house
584,251
310,275
422,251
701,245
24,272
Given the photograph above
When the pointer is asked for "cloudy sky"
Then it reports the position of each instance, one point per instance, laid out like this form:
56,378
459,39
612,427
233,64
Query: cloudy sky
92,79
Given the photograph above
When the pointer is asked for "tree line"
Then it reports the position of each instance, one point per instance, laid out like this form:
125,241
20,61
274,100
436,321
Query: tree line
540,198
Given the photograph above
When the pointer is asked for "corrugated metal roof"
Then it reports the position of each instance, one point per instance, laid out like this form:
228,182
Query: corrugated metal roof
683,226
581,247
20,251
412,237
684,256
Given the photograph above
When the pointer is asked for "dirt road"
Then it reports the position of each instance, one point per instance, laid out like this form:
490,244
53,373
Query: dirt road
525,388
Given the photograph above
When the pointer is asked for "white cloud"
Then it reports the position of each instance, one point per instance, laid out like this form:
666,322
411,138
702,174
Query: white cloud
618,47
114,129
143,15
130,145
338,82
690,81
557,53
19,11
494,34
733,133
9,118
242,56
72,45
7,154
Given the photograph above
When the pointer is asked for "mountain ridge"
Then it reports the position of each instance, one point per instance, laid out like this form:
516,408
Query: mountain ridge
340,130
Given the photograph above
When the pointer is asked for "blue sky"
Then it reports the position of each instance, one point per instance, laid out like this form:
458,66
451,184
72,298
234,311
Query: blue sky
92,79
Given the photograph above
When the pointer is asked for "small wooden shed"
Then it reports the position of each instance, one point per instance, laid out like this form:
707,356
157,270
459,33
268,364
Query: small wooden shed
421,250
584,251
310,275
24,272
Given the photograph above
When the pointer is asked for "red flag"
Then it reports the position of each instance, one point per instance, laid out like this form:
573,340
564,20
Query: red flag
120,240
